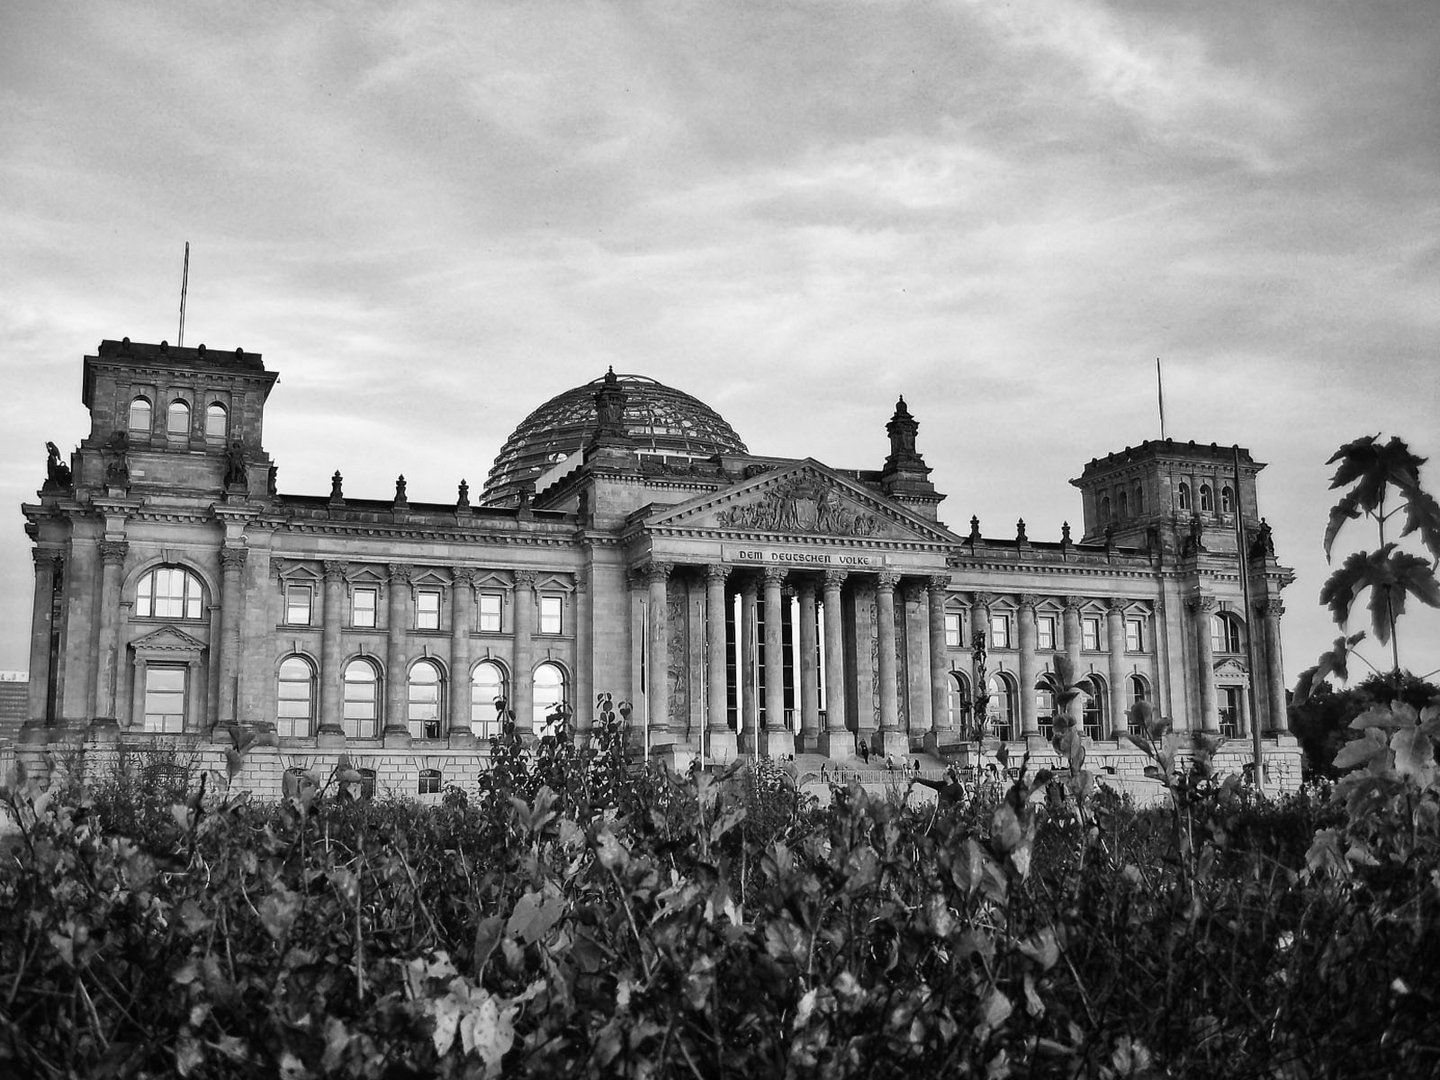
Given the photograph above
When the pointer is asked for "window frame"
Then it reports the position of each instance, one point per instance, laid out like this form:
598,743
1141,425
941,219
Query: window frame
1045,626
429,782
294,589
169,722
1000,620
293,721
356,608
192,602
1182,495
484,617
149,425
552,621
353,726
422,613
1090,633
540,708
1207,499
954,630
213,410
430,728
1135,634
178,407
484,721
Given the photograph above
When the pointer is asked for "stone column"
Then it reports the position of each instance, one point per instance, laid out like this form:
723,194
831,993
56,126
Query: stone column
1073,636
584,650
137,693
777,738
914,662
331,732
722,742
1029,668
39,712
522,679
1277,719
809,668
1203,609
657,693
397,722
112,557
232,562
836,741
979,626
1115,644
940,727
749,663
462,619
889,739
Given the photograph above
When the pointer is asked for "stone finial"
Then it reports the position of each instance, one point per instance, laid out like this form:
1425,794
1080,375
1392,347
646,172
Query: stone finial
1020,537
902,429
1065,533
462,502
974,528
610,410
400,499
337,487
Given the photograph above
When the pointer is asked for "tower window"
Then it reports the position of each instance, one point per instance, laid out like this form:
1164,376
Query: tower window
1207,499
1227,500
177,421
217,421
168,592
1182,495
141,415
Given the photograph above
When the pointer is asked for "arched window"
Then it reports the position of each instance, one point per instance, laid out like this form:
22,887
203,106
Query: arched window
1105,514
1227,500
1136,689
549,693
1045,711
1139,499
177,421
1096,707
1207,499
1124,501
169,592
1227,634
361,709
141,415
487,684
295,707
429,782
217,421
959,700
1182,495
1002,707
427,692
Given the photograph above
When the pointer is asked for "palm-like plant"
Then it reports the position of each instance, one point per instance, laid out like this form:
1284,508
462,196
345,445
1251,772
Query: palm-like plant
1069,694
1384,480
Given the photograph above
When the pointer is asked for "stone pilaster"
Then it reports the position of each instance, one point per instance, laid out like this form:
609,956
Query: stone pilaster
809,668
331,731
232,600
462,619
1029,667
776,738
937,588
749,667
522,681
397,681
1277,717
40,710
1202,610
112,563
1115,645
1074,638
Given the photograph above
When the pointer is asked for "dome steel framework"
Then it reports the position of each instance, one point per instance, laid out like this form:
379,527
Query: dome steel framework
661,420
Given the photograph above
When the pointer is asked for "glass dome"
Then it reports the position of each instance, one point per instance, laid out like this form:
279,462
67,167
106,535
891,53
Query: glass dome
660,419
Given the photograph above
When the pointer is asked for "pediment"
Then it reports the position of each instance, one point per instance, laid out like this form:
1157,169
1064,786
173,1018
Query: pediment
168,639
1230,668
804,499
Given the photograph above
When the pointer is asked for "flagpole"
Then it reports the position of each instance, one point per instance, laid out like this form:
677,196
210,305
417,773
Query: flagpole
1160,393
1256,750
184,287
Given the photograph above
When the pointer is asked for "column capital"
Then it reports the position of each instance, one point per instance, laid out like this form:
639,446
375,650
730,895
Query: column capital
774,575
886,581
1272,608
1028,600
334,569
805,586
983,599
1117,605
400,573
46,559
114,551
835,578
582,580
938,583
1202,605
525,579
233,558
658,570
463,576
716,572
1074,602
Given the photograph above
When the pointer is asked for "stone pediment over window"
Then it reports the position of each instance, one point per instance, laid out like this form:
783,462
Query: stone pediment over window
168,642
805,499
1230,670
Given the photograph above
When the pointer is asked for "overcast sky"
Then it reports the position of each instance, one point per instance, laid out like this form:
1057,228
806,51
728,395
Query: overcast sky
430,218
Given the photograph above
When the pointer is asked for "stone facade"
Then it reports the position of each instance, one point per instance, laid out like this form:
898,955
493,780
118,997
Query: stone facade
743,604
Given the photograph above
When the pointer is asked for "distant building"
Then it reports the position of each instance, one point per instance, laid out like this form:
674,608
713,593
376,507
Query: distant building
14,703
626,541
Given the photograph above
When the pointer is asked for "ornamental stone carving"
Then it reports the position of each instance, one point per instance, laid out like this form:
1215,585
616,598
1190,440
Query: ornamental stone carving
525,579
399,573
983,599
801,504
1118,604
1201,605
886,581
114,551
940,583
463,576
1029,600
334,569
835,578
716,572
233,558
1075,602
773,575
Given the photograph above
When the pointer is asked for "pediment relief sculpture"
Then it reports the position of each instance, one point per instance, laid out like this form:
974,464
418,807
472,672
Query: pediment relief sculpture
801,504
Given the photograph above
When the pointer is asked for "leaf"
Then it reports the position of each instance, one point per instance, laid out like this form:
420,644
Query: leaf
1422,515
534,915
1390,575
1362,750
278,912
995,1011
1414,755
1347,509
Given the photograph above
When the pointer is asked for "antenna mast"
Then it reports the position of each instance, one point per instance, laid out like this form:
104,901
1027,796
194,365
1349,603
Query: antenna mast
184,285
1159,389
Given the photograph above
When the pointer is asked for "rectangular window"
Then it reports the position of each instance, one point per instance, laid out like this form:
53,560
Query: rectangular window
1090,634
298,604
999,631
362,607
1134,635
490,607
952,632
164,698
550,607
427,609
1045,632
